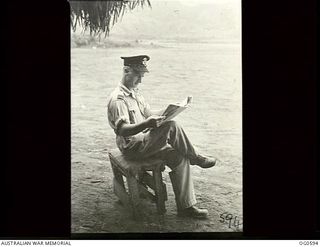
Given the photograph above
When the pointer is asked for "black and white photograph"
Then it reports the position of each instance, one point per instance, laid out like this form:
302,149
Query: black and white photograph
156,116
159,120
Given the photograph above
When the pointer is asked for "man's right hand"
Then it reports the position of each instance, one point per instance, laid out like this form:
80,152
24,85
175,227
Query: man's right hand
133,129
154,121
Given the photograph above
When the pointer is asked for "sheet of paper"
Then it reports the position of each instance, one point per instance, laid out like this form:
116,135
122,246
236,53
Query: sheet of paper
174,109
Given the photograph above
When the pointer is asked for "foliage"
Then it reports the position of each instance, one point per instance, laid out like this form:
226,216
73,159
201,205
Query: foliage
100,16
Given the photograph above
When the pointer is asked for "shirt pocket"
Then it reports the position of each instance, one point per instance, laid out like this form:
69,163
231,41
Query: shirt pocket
132,115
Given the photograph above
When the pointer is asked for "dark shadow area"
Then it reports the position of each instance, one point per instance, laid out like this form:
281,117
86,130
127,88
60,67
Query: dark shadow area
279,82
279,124
37,122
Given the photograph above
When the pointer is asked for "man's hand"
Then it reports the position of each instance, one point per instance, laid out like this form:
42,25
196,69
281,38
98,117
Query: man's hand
154,121
133,129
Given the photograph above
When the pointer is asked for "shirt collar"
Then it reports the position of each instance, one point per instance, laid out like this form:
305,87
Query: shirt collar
126,90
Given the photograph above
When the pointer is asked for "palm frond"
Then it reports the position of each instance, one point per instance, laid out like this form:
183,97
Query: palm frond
100,16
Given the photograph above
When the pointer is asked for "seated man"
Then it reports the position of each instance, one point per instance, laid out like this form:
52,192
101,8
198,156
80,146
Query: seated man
140,134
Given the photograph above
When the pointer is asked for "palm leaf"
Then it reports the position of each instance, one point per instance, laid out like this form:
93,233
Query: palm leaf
100,16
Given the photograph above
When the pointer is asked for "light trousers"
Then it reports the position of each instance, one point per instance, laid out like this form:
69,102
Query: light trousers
170,143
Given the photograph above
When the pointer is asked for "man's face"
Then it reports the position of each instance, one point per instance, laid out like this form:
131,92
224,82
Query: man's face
133,78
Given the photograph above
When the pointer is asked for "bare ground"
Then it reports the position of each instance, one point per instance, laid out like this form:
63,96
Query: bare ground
213,124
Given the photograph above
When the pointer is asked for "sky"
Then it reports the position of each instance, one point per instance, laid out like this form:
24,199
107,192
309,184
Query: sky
197,2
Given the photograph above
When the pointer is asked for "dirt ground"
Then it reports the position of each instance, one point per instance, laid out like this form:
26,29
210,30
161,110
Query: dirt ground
100,211
213,124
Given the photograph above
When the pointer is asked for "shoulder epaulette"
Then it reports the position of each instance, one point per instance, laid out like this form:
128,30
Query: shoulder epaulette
120,96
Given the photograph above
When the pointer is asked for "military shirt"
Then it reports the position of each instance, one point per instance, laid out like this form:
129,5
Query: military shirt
126,106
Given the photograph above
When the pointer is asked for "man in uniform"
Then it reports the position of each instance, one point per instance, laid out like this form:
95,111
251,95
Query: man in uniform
141,133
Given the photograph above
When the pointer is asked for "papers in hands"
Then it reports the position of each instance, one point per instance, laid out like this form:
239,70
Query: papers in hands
174,109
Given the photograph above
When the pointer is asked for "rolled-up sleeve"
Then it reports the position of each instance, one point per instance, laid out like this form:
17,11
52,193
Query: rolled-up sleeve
118,114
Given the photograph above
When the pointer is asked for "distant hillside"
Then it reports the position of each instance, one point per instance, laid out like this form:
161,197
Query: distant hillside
173,20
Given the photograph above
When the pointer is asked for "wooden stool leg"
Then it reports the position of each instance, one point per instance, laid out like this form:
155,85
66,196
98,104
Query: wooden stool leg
133,187
119,187
118,175
159,191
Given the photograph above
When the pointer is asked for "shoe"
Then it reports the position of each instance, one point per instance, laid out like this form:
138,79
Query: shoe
203,162
193,212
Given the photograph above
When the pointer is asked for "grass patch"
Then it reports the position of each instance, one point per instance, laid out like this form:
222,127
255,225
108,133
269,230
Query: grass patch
85,40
